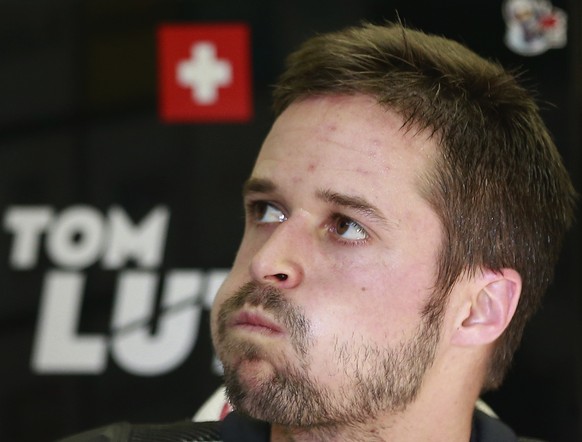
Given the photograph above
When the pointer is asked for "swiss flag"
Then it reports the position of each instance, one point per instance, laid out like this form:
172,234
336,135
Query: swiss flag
204,73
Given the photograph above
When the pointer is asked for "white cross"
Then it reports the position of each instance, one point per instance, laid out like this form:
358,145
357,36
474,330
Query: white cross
204,73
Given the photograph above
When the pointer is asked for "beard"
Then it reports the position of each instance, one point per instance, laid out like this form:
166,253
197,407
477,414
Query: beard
377,379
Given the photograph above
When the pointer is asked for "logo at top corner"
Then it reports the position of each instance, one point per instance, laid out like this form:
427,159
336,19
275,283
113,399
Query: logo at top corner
534,26
204,73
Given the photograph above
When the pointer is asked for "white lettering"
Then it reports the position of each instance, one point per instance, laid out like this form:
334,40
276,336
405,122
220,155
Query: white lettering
75,239
144,243
58,348
143,341
27,225
134,348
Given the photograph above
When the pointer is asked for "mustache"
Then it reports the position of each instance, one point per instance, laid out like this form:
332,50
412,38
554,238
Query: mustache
271,300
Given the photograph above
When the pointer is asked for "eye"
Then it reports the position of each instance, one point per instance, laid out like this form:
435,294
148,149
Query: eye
348,229
264,212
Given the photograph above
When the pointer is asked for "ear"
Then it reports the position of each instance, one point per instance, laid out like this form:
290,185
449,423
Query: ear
491,306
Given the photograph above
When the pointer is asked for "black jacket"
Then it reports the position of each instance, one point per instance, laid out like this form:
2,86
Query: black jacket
238,428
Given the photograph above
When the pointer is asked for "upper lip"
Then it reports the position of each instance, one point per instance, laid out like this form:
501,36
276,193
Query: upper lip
256,319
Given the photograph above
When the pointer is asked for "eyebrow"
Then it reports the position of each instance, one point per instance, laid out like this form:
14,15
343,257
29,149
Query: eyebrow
258,185
357,203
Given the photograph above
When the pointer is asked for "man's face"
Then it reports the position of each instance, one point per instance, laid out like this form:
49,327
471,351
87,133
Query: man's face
319,321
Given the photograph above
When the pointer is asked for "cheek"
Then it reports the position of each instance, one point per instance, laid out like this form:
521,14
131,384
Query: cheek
369,301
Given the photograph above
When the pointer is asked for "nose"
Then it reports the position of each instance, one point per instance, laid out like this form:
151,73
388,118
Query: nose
281,258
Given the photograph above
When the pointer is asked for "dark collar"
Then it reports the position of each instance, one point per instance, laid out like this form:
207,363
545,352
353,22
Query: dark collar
239,428
490,429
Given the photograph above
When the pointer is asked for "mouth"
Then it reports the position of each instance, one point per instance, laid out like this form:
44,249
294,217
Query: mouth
255,322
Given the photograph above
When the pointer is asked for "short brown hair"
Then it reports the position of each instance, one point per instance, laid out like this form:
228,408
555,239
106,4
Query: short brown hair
499,186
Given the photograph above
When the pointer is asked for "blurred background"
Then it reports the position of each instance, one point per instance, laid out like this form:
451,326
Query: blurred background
120,198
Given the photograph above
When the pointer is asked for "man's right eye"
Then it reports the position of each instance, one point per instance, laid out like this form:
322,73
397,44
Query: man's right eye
263,212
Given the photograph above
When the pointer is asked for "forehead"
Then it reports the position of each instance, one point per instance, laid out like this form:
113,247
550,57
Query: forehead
349,136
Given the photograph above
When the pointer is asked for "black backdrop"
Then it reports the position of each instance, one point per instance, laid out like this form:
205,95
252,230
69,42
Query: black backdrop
80,139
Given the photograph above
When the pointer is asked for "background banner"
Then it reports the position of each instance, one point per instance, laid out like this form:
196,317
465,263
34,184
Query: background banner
127,128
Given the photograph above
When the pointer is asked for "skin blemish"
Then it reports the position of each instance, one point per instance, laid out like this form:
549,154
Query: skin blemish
362,171
311,167
363,289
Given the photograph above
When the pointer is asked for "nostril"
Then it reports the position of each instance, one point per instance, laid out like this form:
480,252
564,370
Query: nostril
281,276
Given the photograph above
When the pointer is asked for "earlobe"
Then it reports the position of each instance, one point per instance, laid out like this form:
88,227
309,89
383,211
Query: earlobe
492,307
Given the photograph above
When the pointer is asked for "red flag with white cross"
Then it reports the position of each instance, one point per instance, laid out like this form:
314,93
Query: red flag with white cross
204,73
